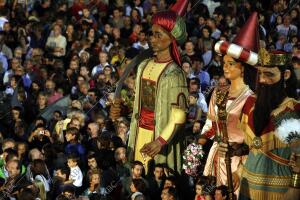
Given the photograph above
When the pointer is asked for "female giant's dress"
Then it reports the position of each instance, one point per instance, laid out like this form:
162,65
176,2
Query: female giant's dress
215,166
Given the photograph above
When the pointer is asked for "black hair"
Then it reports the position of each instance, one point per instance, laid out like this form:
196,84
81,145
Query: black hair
159,165
139,184
224,190
136,162
64,170
74,158
173,192
194,94
11,153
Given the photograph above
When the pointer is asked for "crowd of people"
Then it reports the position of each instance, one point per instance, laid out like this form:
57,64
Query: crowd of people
60,62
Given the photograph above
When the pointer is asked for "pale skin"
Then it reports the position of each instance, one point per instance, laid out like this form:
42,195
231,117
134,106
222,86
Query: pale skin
160,42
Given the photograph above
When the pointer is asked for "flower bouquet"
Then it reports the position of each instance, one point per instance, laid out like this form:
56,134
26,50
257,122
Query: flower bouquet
192,159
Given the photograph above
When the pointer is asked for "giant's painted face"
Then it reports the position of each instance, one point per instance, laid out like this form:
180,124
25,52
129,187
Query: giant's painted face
269,75
160,39
232,68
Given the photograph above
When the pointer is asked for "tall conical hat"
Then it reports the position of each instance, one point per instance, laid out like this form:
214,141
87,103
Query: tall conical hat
180,7
245,45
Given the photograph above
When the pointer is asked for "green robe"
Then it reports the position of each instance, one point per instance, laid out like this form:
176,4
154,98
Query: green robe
171,89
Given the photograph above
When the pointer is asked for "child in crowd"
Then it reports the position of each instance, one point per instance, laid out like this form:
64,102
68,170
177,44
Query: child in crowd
137,188
194,110
76,176
199,190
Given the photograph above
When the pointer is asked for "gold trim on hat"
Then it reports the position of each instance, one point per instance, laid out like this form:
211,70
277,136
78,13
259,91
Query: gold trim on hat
266,59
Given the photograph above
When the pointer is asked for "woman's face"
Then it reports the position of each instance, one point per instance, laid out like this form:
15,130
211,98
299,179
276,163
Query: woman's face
134,14
294,14
35,87
279,19
95,178
21,149
70,29
198,189
201,20
13,82
232,68
91,33
122,129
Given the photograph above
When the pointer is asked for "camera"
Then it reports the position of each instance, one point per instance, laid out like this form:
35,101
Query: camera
41,132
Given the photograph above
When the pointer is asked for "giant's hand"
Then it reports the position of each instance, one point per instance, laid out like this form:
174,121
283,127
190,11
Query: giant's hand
151,149
234,149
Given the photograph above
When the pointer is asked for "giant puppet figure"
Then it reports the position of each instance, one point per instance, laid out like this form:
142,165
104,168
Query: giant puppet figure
272,131
161,92
238,58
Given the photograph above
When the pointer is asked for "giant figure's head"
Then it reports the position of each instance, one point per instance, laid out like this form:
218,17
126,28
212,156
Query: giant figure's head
171,26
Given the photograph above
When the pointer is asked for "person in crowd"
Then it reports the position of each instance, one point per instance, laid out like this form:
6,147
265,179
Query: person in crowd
156,182
221,193
76,176
137,171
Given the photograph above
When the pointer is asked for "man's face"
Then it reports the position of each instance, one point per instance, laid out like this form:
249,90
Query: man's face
103,57
269,75
6,27
92,163
160,40
18,53
12,168
142,37
21,149
120,154
69,137
49,85
196,127
193,88
137,171
92,97
158,173
56,30
92,130
186,67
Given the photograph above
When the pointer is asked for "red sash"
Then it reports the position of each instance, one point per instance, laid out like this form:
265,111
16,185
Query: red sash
146,119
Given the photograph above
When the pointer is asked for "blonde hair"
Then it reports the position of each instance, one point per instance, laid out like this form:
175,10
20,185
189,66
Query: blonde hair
42,191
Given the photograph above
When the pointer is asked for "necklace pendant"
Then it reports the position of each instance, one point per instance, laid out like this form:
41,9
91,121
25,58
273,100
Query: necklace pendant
257,142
